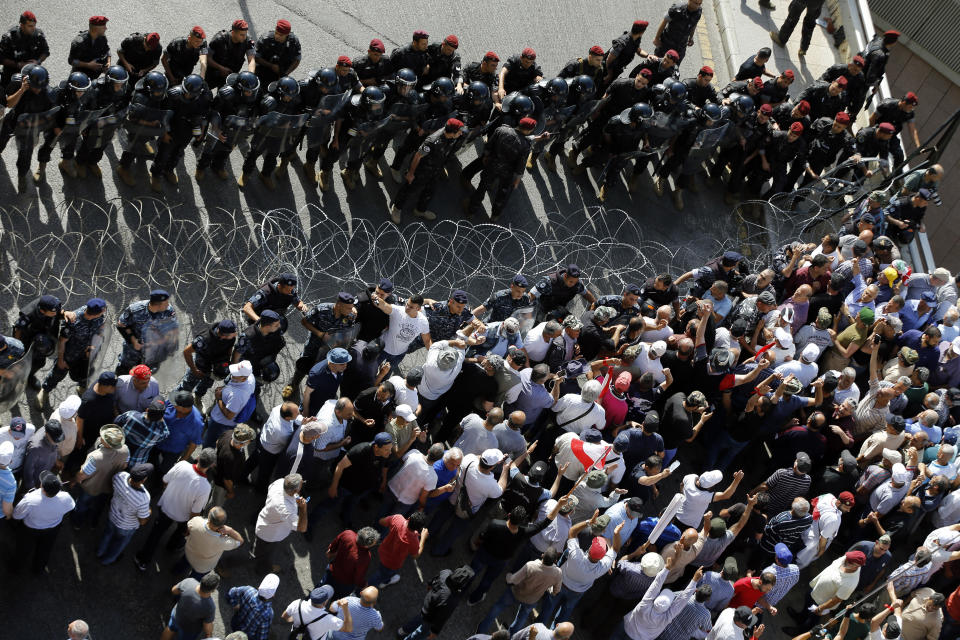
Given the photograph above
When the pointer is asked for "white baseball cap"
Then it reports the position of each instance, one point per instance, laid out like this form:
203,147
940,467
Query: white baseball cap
658,348
783,337
810,352
268,586
241,369
491,457
6,452
404,411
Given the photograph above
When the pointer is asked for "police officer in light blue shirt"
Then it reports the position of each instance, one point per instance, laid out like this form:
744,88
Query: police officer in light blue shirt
132,322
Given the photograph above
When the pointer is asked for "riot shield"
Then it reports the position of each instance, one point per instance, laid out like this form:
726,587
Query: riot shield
527,317
145,126
341,337
580,115
97,359
75,125
361,136
278,133
160,338
619,161
100,132
326,112
234,128
30,125
703,146
661,127
13,380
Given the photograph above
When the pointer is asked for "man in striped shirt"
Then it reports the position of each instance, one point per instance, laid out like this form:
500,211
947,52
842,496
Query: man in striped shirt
129,510
786,527
693,621
786,484
721,585
911,574
788,574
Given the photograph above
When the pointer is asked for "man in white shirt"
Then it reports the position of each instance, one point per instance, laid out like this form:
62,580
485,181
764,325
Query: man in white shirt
314,614
284,511
229,401
803,369
334,416
413,483
42,511
406,323
577,454
537,341
731,624
274,439
846,387
405,388
442,366
578,412
185,494
648,360
477,433
19,434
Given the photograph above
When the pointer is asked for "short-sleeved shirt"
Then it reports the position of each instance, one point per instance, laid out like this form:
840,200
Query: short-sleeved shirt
365,468
183,430
205,546
86,49
365,619
192,611
321,621
415,475
128,504
399,543
479,486
279,515
96,410
501,304
695,502
8,488
182,59
135,51
186,492
229,53
476,438
403,330
579,573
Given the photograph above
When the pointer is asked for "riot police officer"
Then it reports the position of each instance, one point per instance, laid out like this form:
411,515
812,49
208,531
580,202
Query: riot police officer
81,337
323,319
828,139
413,55
90,51
439,97
403,103
786,114
277,295
190,103
677,27
519,72
39,324
208,356
553,112
856,81
347,78
139,54
32,95
182,54
443,61
700,90
233,114
261,343
582,102
504,159
663,70
372,69
131,324
750,88
359,117
825,99
425,169
749,128
283,96
20,45
899,113
701,135
319,84
621,94
876,55
773,158
671,102
474,109
485,71
871,142
110,92
777,90
591,66
622,51
148,100
514,108
73,98
227,52
277,53
622,136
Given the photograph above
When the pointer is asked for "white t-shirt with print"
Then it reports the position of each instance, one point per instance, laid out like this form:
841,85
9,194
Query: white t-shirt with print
403,330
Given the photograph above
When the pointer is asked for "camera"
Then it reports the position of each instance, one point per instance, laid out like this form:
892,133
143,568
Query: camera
876,338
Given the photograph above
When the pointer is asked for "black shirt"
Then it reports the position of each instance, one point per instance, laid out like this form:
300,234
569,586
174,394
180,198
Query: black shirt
282,54
650,293
750,70
473,72
679,28
517,77
676,424
19,47
500,542
230,461
367,405
96,411
364,472
621,53
406,57
368,70
85,49
135,51
889,111
442,66
228,53
182,59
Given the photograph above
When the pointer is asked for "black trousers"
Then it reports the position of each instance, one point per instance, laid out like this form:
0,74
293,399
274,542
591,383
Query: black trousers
35,543
160,526
215,157
23,155
797,7
423,181
499,197
169,153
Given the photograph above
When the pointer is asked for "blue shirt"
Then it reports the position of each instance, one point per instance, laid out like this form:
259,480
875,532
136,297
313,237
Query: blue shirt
444,476
780,412
364,619
618,514
787,577
911,318
324,384
8,487
183,430
722,591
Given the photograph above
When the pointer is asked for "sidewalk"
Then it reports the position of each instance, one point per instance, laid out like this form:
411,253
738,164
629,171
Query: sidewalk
744,29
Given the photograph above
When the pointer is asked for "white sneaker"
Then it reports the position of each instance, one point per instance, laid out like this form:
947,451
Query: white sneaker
393,580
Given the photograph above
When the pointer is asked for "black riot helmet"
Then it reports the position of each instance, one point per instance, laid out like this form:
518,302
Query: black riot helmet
326,78
640,111
288,88
248,84
372,100
521,105
78,81
192,86
39,78
583,87
117,74
156,83
677,91
557,88
478,92
406,77
442,87
743,105
712,112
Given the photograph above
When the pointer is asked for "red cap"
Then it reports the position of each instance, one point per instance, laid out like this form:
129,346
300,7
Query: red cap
198,32
641,23
377,45
454,123
855,557
842,118
847,498
283,26
758,82
528,52
886,127
892,34
788,74
598,548
452,40
796,127
673,55
528,123
153,40
98,21
240,25
842,81
646,73
912,98
344,61
141,372
420,34
28,15
490,55
859,61
804,107
766,109
596,50
706,70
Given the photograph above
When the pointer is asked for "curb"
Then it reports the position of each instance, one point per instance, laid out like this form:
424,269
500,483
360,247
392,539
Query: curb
728,36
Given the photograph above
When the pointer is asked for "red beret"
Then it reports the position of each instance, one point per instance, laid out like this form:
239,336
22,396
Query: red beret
859,61
596,50
912,98
153,40
757,82
528,123
646,73
846,498
842,81
98,21
804,107
240,25
452,40
198,32
706,71
788,74
28,15
855,557
377,45
344,61
490,55
454,123
528,52
641,23
420,34
842,118
892,34
673,55
796,127
766,109
886,127
283,26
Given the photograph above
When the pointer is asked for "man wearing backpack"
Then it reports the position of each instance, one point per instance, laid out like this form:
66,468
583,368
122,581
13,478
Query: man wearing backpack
231,402
312,620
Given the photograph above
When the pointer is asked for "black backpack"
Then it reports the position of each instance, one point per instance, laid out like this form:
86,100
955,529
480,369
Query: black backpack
521,493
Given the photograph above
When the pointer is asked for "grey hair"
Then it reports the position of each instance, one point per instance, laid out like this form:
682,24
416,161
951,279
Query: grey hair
572,322
453,453
207,458
904,380
217,516
367,537
591,391
849,372
496,362
551,327
435,452
209,582
79,627
849,401
800,507
292,482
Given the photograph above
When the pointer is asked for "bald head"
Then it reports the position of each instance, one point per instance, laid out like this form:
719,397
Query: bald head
867,236
663,313
495,416
563,631
517,419
689,537
368,597
78,630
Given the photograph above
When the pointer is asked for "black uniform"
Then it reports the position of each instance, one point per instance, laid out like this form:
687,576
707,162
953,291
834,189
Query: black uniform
269,297
875,56
272,101
406,57
660,75
94,142
681,116
182,59
740,87
473,72
794,9
232,55
211,355
188,121
19,48
504,157
370,72
580,67
752,133
439,110
517,77
868,145
822,104
86,49
620,136
70,108
43,332
372,321
403,110
680,26
349,81
356,122
434,153
283,54
889,111
856,85
824,148
135,52
772,93
140,103
620,94
783,116
699,95
262,351
442,66
780,152
229,102
620,54
750,70
30,102
902,209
